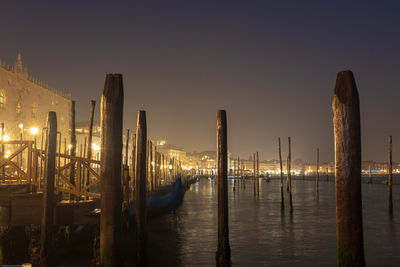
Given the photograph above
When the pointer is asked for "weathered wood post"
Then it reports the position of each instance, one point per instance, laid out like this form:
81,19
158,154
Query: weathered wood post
254,173
127,147
390,169
234,172
223,255
112,102
48,201
162,169
72,141
290,175
65,150
156,166
238,174
244,176
3,170
281,184
258,176
126,177
151,165
140,192
317,176
133,173
346,118
90,136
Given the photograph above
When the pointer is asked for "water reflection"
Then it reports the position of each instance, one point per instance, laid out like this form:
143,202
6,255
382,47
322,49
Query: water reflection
261,235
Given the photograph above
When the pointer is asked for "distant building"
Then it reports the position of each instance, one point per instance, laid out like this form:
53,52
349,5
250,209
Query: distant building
25,102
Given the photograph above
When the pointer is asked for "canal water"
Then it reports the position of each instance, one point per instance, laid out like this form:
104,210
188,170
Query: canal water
261,236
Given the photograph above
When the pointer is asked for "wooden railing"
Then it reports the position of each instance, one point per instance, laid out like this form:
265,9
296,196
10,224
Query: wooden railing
16,162
87,176
21,163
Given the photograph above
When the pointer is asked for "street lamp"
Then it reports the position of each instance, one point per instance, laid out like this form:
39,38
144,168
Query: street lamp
34,130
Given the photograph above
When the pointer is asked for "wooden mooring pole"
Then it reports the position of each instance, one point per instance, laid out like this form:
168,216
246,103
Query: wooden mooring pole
317,176
390,169
281,184
48,201
141,187
346,120
290,176
223,255
258,176
112,102
72,141
254,174
133,173
90,136
151,176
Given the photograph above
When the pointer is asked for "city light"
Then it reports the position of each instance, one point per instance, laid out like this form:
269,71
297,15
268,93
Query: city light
95,146
6,138
21,126
7,154
34,130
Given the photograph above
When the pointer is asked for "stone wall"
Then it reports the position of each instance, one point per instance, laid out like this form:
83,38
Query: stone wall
25,102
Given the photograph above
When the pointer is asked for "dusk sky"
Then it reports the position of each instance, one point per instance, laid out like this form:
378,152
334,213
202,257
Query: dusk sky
271,64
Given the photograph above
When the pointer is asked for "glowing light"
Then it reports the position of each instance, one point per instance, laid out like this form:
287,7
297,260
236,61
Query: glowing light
21,126
6,138
7,154
95,146
170,167
69,146
34,130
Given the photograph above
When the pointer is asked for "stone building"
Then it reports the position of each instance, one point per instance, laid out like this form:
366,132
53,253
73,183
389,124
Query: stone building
25,102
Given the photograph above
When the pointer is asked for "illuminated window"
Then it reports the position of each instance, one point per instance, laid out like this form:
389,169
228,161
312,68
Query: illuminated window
34,110
19,108
2,100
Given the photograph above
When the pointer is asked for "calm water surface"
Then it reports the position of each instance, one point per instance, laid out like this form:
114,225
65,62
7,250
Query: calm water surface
261,236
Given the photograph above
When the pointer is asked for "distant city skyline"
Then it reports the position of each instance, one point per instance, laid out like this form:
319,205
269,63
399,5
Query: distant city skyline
271,66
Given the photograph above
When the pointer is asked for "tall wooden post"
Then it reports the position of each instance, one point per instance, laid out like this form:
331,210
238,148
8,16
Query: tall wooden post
151,165
46,238
317,176
234,172
65,150
72,141
83,151
290,175
127,147
281,184
155,166
140,193
3,173
346,118
126,172
258,176
90,136
223,255
162,169
254,173
133,173
238,173
112,102
390,169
